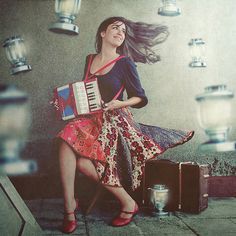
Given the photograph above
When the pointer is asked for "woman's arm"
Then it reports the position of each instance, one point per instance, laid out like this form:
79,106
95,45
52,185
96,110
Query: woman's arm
132,83
115,104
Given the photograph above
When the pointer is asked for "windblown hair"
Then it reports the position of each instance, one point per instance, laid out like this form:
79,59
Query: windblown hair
140,38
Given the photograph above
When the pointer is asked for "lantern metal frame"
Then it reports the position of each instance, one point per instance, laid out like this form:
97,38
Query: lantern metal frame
65,24
197,62
169,8
218,136
13,46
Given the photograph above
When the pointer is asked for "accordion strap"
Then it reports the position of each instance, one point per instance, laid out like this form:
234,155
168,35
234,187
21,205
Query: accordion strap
101,69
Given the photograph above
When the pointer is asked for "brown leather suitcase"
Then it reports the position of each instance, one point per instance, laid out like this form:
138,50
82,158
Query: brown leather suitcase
187,183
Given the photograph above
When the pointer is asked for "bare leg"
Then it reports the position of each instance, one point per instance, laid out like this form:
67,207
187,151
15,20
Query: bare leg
86,167
127,203
67,162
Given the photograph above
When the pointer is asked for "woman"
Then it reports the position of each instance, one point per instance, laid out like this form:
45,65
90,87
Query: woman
111,147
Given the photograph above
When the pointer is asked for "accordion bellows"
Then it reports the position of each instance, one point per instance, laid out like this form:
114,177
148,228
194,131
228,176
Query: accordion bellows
78,98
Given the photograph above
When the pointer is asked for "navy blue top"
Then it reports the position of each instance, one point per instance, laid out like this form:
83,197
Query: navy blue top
123,72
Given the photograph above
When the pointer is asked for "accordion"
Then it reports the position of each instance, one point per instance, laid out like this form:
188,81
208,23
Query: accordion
78,98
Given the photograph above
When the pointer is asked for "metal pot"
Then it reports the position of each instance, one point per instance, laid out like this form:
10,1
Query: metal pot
158,198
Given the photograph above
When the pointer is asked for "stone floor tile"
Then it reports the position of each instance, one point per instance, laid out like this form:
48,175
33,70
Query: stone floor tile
53,227
35,206
217,208
216,227
53,204
102,229
233,220
99,215
162,226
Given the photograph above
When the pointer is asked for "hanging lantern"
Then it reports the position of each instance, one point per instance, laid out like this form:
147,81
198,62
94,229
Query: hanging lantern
14,125
169,8
197,50
215,117
66,11
16,54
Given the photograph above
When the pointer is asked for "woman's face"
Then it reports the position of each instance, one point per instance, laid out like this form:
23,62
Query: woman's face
114,34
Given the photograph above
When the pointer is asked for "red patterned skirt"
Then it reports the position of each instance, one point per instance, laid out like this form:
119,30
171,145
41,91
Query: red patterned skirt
118,146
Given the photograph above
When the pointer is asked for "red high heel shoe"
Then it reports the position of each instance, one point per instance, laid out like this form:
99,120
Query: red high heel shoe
70,226
119,221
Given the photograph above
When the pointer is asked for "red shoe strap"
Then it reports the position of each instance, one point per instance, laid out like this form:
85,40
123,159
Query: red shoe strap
128,212
131,212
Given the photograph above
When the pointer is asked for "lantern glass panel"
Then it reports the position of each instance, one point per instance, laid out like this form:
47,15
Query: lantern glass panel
169,3
197,51
16,51
215,113
67,7
169,8
14,120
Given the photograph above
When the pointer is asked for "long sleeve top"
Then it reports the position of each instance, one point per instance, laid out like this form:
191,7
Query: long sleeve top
123,72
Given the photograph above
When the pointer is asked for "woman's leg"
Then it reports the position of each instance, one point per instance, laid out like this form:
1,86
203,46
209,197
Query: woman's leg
87,168
67,162
127,203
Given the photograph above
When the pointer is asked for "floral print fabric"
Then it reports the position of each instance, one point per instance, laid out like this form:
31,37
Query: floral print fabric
118,146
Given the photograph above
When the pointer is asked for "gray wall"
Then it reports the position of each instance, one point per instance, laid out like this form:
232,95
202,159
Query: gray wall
171,85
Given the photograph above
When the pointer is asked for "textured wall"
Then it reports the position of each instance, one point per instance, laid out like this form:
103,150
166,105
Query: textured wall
170,84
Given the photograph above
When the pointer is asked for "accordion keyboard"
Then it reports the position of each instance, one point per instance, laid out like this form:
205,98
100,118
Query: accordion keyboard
93,95
87,96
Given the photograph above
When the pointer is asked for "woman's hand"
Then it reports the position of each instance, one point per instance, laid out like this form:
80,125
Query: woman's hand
114,104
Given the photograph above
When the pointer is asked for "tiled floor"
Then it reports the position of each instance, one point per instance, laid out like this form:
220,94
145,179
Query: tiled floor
219,219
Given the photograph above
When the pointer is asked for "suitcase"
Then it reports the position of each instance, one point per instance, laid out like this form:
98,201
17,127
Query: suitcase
187,183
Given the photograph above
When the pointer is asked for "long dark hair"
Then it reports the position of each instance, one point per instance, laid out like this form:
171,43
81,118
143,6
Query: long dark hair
140,38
